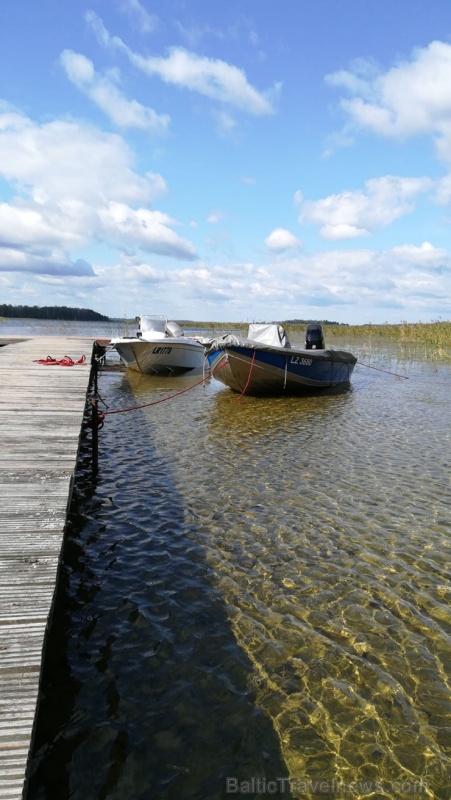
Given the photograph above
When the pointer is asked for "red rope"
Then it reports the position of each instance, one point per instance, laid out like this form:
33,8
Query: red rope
248,377
163,399
67,361
96,421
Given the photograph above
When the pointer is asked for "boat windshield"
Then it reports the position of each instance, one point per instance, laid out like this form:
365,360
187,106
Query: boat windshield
152,322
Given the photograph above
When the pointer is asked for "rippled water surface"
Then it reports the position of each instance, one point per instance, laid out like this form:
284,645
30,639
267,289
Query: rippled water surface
257,589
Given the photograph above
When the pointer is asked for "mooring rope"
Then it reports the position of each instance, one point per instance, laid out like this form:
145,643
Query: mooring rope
248,377
379,369
204,378
169,397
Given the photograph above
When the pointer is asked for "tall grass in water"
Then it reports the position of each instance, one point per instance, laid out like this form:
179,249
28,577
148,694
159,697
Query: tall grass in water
435,337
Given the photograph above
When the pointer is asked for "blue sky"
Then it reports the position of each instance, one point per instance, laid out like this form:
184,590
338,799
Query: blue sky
227,160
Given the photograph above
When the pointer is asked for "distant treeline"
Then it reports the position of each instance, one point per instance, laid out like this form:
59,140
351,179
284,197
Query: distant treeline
52,312
190,323
309,321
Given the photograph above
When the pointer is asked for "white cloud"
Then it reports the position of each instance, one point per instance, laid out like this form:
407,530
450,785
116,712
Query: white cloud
157,185
280,239
424,256
103,91
349,214
28,227
147,23
89,280
210,77
143,274
43,161
59,207
410,99
215,217
409,278
215,283
406,282
195,33
42,261
144,229
225,123
443,190
271,290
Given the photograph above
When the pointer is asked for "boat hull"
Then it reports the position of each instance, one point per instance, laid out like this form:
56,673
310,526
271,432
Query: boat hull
160,357
276,371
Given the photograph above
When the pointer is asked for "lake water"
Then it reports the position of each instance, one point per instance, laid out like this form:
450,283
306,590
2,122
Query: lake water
255,595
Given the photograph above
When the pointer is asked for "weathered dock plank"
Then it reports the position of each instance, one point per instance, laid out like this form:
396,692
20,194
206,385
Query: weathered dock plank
41,415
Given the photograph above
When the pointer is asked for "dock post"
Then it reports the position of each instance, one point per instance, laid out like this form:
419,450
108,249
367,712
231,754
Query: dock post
95,421
95,433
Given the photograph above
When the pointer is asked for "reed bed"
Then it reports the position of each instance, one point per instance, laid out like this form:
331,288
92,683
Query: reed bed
436,334
433,337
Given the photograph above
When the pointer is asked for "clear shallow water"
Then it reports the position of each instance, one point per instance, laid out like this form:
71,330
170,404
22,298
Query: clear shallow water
257,588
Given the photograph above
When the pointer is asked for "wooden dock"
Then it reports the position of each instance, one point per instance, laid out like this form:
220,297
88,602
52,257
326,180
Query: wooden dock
41,414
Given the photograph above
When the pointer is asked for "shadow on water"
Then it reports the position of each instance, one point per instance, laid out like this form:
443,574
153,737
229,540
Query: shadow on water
325,527
145,692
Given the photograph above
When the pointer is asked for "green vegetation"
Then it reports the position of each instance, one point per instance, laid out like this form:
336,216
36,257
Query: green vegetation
437,334
434,336
212,326
293,324
51,312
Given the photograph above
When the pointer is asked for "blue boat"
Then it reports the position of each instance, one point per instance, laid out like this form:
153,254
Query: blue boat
264,363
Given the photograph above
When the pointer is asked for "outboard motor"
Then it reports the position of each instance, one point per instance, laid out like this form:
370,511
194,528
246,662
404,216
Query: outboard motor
173,329
314,337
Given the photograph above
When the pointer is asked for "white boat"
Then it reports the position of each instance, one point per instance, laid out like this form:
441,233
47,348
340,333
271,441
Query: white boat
159,348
